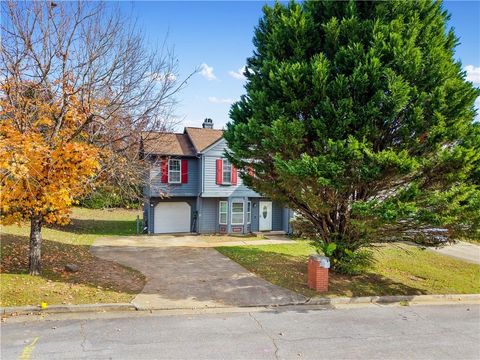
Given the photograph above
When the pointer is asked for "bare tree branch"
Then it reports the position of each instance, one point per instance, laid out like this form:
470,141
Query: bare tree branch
90,53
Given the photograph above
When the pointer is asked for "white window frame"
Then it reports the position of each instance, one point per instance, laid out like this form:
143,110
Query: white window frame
179,171
249,212
226,163
220,212
243,213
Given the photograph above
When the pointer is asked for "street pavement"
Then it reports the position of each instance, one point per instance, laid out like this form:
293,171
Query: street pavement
460,250
298,332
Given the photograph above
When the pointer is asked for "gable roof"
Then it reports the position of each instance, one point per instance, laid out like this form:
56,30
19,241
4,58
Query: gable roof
165,143
202,138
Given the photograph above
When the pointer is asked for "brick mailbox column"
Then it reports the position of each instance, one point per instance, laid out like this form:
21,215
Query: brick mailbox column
318,272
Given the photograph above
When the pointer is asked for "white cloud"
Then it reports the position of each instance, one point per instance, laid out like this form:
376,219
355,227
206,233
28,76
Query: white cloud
207,72
238,74
215,100
473,74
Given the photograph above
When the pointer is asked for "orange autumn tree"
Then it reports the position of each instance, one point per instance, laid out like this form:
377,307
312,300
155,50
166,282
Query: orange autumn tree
78,83
42,166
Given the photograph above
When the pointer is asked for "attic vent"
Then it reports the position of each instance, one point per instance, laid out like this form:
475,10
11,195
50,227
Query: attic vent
207,123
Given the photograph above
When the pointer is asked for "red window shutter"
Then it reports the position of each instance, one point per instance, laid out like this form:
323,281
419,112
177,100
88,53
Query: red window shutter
164,169
234,175
184,171
219,172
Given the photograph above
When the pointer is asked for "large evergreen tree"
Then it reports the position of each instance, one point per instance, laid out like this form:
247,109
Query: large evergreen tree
358,117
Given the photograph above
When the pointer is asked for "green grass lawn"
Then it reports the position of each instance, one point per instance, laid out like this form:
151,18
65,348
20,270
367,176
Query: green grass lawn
86,226
399,269
96,281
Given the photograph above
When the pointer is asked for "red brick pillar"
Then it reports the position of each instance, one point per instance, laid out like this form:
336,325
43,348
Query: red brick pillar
318,273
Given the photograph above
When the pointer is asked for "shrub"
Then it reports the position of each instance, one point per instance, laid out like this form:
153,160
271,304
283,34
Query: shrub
353,262
344,260
302,228
109,197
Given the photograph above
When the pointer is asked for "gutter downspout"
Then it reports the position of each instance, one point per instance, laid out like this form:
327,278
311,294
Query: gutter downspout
199,196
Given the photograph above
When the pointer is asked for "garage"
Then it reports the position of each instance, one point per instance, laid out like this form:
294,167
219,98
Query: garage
171,217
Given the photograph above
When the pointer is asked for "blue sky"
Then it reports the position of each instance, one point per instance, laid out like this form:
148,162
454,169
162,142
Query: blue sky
217,36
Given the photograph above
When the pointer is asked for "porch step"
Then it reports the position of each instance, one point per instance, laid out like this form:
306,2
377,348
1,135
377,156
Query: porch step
278,232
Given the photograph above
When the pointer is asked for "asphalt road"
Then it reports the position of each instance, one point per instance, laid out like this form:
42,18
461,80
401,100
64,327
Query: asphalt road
375,332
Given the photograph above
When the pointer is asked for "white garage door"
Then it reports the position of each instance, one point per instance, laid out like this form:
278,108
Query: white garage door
170,217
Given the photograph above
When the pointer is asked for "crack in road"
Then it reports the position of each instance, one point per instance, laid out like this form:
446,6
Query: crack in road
83,335
356,337
266,333
396,332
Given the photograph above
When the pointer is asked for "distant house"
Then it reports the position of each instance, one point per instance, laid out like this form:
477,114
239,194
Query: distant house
191,187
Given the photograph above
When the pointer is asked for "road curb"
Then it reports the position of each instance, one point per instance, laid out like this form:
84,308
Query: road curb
55,309
141,307
365,300
445,298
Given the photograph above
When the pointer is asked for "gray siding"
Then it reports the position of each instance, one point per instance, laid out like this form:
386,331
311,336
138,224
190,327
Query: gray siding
208,216
287,215
255,214
210,187
191,188
277,216
146,215
217,149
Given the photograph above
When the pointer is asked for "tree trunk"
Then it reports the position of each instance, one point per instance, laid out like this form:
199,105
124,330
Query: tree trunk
35,257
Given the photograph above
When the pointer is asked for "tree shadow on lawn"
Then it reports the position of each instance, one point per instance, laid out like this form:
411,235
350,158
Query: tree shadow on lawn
290,271
93,271
99,227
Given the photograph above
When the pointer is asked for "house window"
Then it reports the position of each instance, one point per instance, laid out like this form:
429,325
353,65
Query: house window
174,171
237,213
249,212
223,212
226,172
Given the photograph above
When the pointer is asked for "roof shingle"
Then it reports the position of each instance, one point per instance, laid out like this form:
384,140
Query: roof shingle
164,143
203,138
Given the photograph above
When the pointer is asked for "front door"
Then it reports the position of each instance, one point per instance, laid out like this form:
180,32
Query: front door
265,216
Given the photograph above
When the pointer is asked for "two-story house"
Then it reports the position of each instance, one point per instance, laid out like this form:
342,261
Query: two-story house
192,187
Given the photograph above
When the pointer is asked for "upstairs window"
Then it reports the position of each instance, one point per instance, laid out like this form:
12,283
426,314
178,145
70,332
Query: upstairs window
174,171
226,172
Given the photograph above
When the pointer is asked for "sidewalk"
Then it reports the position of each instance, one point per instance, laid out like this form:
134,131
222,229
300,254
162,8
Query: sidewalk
161,241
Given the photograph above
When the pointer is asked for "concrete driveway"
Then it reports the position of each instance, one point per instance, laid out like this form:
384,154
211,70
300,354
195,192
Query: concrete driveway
192,277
